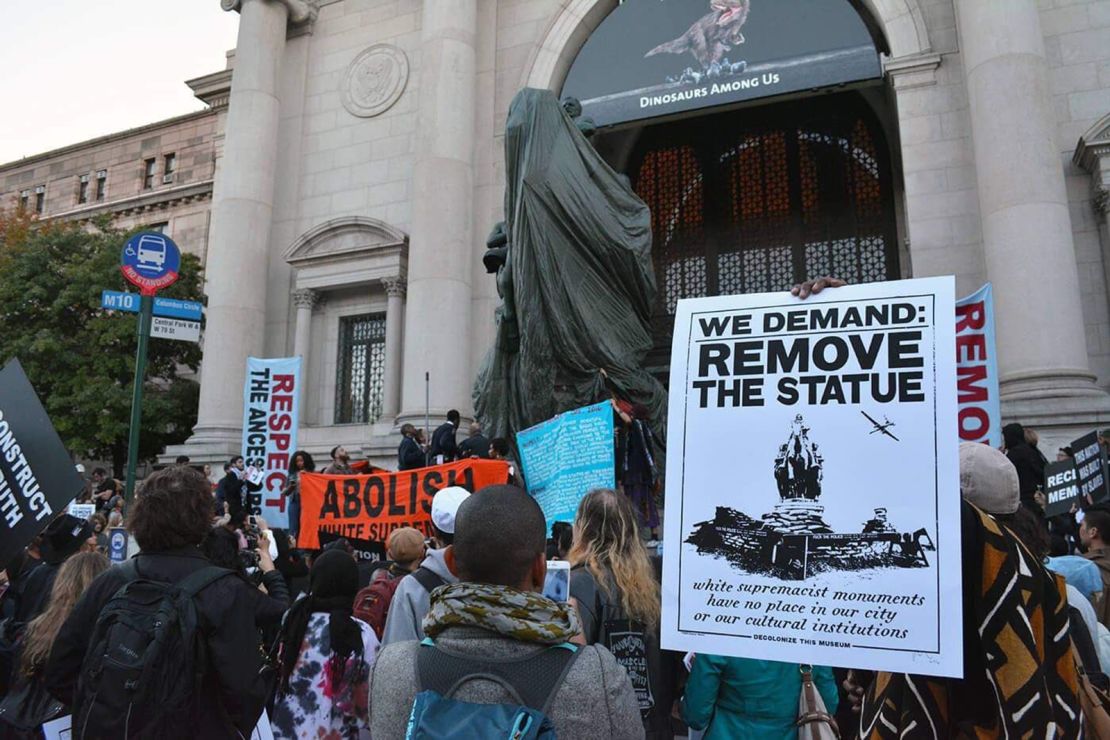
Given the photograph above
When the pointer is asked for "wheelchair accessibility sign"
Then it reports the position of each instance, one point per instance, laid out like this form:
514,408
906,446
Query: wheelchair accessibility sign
150,261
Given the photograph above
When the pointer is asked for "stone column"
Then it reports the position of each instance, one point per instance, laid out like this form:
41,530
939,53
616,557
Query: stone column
305,300
239,237
440,251
394,324
1027,238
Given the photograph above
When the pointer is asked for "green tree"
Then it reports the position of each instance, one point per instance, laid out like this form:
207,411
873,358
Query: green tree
80,358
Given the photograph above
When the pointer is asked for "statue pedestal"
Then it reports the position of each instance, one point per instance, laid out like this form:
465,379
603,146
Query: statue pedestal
797,516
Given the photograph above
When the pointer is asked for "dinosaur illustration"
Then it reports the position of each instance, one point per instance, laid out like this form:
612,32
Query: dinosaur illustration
711,36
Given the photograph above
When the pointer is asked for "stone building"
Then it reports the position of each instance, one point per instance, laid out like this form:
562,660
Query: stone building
361,167
159,176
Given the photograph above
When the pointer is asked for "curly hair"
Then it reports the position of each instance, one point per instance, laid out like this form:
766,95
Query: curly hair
173,509
607,541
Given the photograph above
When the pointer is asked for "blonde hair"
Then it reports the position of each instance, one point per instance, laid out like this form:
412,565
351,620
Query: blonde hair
1031,437
607,541
73,578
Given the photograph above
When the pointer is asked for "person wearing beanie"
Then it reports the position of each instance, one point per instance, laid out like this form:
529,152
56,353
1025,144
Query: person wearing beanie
65,536
326,657
1012,608
1027,461
411,599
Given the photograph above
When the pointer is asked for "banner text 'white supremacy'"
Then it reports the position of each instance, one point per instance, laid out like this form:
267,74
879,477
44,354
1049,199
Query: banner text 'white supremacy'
825,354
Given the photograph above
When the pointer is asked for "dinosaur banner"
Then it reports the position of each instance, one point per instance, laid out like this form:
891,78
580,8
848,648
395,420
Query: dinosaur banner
653,58
814,511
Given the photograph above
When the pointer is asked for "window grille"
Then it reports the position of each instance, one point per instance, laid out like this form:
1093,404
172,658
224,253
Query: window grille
361,369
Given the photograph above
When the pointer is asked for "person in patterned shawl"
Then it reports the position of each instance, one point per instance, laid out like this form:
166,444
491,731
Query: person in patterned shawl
1020,676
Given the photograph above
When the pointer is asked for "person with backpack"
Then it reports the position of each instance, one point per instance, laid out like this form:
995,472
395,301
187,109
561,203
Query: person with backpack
163,646
28,704
613,585
411,599
326,657
498,655
405,549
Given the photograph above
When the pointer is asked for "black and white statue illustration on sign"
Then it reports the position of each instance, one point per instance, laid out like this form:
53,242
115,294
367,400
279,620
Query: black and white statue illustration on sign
793,541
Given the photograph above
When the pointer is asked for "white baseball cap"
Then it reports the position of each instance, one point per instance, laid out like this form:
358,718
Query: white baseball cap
988,479
445,505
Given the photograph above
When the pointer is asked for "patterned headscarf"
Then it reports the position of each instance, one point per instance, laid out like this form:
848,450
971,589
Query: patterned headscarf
521,615
1020,677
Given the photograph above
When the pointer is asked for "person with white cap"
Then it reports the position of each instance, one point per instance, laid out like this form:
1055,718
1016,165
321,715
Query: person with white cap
411,599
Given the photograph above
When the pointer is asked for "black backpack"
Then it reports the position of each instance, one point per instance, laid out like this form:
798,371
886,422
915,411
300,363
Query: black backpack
145,659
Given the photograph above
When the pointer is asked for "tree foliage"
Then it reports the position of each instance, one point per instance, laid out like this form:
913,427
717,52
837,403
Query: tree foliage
80,358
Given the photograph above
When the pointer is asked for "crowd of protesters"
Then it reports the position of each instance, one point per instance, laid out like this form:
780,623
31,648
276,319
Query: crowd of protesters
220,622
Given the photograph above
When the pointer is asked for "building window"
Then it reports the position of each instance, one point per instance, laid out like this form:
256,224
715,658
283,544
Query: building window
161,227
24,199
83,189
361,368
169,168
40,198
148,174
101,184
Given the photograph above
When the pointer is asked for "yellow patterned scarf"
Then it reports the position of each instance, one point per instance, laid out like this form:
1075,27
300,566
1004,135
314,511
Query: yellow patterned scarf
521,615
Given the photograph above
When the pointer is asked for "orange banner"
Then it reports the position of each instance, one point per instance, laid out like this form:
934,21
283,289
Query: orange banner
369,507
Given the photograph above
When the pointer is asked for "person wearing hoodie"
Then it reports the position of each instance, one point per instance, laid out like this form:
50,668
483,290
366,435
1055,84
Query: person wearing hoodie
412,597
1027,460
496,620
65,536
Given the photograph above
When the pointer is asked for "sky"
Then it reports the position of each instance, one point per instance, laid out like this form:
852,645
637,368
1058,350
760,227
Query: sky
77,69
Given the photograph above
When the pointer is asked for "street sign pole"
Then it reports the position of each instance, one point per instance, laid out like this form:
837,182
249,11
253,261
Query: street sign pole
146,311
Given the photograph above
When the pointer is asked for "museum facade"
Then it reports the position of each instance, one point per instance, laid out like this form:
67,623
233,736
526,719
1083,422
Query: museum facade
358,167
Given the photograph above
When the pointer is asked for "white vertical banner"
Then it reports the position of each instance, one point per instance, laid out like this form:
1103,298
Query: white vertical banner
813,500
980,415
270,419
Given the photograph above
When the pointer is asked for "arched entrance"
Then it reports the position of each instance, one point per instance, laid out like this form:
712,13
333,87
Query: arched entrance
757,199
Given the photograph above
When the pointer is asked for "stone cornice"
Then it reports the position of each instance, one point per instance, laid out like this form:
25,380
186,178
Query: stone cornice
916,70
300,11
1093,147
213,89
146,201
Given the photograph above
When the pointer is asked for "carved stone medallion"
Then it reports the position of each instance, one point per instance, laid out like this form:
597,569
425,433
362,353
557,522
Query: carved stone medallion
375,80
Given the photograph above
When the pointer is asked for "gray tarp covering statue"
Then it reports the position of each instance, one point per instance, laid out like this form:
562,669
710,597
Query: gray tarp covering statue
574,272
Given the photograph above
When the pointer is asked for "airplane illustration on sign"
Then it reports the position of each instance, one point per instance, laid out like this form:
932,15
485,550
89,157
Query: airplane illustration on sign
883,428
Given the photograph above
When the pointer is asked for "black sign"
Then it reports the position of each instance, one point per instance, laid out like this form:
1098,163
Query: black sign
1090,463
652,58
364,550
1061,487
629,647
37,477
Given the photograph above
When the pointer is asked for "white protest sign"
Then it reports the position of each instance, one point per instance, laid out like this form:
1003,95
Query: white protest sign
271,394
813,505
82,511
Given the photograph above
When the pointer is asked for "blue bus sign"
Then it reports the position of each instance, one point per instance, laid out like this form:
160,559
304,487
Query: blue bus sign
150,261
114,300
175,308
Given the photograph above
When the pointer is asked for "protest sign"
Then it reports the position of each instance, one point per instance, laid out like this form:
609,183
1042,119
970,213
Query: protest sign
980,414
117,544
82,511
1061,487
813,501
1090,465
369,551
565,457
37,477
369,507
270,404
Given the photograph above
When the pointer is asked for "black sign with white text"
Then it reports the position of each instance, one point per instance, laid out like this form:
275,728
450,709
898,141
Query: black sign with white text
1090,464
1061,487
37,477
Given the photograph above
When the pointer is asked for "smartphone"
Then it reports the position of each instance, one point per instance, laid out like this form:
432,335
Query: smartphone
253,522
557,584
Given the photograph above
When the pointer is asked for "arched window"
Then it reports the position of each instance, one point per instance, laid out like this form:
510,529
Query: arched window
757,199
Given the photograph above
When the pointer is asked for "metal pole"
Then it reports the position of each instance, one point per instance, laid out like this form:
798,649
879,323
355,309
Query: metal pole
427,404
146,310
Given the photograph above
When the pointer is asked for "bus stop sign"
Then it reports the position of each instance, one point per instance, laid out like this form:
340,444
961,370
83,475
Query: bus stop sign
150,261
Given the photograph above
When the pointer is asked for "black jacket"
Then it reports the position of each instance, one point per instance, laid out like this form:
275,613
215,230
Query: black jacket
409,455
1026,459
233,692
34,591
443,443
232,490
476,445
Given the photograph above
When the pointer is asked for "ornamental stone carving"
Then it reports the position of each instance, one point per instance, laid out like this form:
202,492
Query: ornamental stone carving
394,286
307,298
374,80
300,11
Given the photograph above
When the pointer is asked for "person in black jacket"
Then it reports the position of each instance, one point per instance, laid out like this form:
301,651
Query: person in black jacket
65,536
476,445
170,518
235,486
409,454
443,440
1030,469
